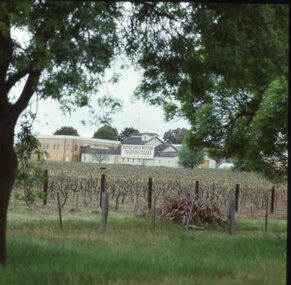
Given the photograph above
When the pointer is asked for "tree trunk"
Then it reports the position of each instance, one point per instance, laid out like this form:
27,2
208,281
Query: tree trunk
8,168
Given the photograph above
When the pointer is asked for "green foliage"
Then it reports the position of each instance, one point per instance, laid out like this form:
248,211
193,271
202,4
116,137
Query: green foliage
220,64
106,132
29,175
108,105
170,110
189,157
174,136
268,141
68,131
127,132
69,45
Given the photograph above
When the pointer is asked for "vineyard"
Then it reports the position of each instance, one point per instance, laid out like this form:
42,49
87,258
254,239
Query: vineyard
79,188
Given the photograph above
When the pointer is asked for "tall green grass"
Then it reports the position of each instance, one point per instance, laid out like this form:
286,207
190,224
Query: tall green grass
130,253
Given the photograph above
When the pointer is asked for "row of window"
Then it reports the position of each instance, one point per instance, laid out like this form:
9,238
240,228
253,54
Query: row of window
138,159
56,146
132,159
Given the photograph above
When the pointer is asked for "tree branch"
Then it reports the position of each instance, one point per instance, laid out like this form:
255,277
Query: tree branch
27,92
14,78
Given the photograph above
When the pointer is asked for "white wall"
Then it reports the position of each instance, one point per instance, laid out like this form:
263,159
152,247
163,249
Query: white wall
157,161
212,163
87,157
166,161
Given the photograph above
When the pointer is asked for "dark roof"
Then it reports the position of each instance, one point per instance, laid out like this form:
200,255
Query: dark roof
133,140
166,154
152,134
162,147
104,151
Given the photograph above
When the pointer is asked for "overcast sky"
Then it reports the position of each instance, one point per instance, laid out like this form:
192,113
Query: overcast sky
136,114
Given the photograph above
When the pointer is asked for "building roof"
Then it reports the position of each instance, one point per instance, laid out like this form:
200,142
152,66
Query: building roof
163,146
166,154
133,140
104,151
76,138
152,134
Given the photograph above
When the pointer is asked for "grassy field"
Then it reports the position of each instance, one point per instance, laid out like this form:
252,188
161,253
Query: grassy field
131,253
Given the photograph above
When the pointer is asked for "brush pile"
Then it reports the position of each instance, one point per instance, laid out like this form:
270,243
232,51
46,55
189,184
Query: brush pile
178,209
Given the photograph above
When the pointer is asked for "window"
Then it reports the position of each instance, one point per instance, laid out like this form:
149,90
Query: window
45,146
76,147
55,146
68,146
58,146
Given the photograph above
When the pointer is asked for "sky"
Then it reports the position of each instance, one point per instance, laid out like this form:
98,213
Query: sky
134,113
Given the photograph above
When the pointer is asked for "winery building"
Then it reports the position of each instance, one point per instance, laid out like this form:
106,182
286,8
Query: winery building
138,149
68,148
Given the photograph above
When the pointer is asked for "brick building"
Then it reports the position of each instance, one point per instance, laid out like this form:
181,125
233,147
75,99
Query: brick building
68,148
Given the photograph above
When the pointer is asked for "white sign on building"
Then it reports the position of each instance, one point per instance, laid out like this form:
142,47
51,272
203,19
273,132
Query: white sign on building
137,151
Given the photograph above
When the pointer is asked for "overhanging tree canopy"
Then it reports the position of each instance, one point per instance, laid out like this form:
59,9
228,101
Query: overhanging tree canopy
67,47
224,68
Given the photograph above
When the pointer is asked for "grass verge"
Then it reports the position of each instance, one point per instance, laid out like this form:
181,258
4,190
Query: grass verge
130,253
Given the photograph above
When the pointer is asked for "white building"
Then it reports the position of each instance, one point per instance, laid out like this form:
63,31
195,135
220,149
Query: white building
138,149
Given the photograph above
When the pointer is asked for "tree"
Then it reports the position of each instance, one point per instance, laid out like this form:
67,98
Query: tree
267,150
216,66
127,132
99,155
106,132
30,173
175,136
190,158
67,131
67,47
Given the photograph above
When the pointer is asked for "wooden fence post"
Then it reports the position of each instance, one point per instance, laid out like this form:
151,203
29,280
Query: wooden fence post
272,199
197,190
60,211
102,188
104,210
154,214
231,217
236,196
45,186
191,211
150,190
267,214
